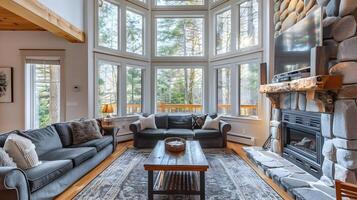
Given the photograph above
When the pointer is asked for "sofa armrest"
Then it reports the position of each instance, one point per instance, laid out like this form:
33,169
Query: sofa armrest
13,184
135,127
224,128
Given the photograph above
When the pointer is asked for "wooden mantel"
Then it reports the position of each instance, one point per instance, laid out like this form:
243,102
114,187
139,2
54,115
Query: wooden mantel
321,89
38,14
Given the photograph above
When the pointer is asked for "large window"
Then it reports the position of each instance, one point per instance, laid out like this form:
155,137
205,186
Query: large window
179,90
107,83
45,92
108,25
134,90
223,32
248,34
134,32
224,105
179,2
181,36
249,89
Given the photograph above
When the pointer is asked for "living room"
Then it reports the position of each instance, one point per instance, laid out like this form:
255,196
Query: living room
178,99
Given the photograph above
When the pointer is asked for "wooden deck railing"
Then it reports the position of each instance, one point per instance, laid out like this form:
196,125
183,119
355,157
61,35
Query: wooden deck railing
246,110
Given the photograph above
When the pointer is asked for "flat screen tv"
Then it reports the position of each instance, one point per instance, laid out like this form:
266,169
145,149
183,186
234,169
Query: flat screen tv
293,46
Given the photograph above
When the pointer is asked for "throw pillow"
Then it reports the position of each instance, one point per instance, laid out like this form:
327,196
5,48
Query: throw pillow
85,131
198,121
5,159
147,122
211,123
22,150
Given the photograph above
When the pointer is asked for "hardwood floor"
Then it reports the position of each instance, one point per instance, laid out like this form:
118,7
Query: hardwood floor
122,147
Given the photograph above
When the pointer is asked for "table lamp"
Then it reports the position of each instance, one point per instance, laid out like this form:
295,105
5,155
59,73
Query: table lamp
107,109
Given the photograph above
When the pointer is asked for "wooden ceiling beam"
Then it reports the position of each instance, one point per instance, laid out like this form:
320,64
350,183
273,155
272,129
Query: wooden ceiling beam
35,12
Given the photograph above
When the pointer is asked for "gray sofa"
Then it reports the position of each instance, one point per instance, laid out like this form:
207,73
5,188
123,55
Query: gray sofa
179,125
62,162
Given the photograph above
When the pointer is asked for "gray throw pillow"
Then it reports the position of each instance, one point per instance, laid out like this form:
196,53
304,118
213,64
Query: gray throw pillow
5,159
85,131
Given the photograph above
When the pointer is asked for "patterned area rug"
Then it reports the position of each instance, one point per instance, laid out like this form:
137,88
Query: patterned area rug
228,177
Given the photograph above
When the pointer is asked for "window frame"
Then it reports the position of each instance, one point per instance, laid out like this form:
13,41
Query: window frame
235,51
122,96
142,87
154,6
96,28
215,31
179,14
180,66
123,5
29,84
228,66
144,36
260,27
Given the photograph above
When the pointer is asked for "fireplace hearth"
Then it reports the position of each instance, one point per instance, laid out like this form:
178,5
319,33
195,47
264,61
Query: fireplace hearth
302,140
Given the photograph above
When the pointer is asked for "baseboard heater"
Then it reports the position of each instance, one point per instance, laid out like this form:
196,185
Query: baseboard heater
243,139
125,137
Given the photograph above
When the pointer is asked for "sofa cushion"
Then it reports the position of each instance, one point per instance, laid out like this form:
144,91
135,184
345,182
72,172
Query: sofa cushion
183,121
161,121
44,139
179,133
77,155
153,131
199,133
99,144
65,133
47,172
3,137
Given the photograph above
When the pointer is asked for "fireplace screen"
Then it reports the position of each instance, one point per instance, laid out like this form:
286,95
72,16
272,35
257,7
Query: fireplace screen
302,140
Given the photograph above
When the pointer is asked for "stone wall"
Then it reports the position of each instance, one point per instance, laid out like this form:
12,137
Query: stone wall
289,12
340,127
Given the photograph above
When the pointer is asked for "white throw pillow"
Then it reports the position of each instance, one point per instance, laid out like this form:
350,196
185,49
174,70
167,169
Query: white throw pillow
5,159
147,122
22,150
211,123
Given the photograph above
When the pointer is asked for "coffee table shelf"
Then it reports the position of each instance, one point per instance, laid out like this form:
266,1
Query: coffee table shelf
177,182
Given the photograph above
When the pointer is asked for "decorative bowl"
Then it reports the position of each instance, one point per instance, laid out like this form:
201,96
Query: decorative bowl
175,144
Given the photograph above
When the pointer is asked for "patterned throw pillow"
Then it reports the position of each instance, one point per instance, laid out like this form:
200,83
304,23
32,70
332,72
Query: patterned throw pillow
22,150
5,159
85,131
198,121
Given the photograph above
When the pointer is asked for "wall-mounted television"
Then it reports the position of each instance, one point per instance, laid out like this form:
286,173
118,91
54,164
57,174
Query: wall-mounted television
293,46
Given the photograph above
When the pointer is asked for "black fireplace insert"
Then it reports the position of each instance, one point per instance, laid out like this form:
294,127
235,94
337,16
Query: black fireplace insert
302,140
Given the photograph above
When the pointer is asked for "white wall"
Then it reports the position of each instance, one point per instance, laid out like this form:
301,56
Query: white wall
12,115
71,10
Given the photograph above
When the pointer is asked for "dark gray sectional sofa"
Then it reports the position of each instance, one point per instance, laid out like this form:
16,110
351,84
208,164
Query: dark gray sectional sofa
62,163
179,125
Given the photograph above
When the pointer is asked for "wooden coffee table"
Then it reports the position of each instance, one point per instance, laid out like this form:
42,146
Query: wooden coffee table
182,173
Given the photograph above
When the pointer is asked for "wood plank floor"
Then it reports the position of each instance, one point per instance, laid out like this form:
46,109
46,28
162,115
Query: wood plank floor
122,147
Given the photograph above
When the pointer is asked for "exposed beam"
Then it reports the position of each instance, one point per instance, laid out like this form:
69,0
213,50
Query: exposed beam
35,12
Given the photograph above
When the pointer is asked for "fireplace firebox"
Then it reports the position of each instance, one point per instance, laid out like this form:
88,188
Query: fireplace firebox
302,140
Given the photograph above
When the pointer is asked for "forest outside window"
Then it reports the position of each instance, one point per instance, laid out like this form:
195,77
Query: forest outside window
179,90
248,34
223,32
179,2
107,86
224,90
108,25
134,32
179,36
134,90
45,91
249,89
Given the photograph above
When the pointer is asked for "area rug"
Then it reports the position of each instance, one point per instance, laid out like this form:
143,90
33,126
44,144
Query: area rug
228,178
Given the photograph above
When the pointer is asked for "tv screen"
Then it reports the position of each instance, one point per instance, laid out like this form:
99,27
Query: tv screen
292,47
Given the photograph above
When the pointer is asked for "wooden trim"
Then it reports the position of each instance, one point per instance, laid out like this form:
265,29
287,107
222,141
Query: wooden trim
37,13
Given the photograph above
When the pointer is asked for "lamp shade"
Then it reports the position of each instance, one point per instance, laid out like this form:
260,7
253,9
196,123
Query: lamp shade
107,108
